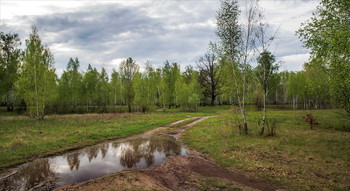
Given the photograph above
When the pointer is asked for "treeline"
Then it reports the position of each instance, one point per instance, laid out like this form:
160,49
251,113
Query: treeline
29,83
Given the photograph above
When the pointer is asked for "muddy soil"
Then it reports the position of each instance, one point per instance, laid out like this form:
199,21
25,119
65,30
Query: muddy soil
191,172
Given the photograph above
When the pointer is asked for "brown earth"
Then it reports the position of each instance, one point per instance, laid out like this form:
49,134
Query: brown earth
191,172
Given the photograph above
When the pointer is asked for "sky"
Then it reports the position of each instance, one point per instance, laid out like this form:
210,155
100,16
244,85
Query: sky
105,32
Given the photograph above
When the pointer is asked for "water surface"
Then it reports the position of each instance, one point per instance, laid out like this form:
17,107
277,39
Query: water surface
92,162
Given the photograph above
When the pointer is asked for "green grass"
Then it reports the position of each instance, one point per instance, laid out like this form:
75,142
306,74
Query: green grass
298,158
23,138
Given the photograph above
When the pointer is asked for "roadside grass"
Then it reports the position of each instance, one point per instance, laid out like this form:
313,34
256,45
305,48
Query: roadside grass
298,158
23,138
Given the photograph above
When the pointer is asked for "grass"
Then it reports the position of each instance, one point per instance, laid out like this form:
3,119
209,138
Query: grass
298,158
23,138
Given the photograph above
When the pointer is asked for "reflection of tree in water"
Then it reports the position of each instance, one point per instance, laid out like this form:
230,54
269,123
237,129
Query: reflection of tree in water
73,160
28,176
104,149
129,158
92,152
133,151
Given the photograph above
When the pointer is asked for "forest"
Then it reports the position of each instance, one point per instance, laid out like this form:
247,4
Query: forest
29,83
234,105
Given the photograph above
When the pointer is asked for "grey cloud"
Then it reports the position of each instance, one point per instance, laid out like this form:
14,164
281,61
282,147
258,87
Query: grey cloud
154,31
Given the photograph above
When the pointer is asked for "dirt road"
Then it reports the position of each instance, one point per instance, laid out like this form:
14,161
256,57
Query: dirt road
192,172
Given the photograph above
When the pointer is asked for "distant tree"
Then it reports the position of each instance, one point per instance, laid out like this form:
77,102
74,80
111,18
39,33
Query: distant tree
141,91
318,86
145,88
64,92
37,81
327,35
158,82
209,77
195,92
128,70
115,86
152,84
90,82
266,68
187,74
70,86
102,90
189,94
182,89
170,73
293,88
9,64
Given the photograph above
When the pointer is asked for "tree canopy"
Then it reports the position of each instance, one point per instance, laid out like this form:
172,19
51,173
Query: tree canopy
327,34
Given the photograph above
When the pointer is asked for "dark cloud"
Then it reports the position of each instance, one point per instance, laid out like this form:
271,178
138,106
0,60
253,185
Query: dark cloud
112,31
103,33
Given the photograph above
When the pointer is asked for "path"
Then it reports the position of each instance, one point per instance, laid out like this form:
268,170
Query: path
192,172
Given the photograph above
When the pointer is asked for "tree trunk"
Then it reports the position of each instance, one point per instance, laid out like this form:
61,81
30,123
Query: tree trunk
212,103
36,91
129,107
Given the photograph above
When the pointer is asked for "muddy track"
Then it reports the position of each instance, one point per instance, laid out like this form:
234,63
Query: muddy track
192,172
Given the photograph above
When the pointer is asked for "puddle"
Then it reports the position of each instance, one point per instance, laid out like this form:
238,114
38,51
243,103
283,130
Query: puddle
92,162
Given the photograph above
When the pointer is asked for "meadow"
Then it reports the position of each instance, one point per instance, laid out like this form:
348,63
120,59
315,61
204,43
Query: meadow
24,138
297,158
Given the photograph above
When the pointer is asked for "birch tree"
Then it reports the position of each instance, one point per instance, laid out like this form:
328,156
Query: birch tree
37,80
267,65
237,41
128,70
115,86
102,90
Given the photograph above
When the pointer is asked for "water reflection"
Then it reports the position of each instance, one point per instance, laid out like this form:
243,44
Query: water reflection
92,162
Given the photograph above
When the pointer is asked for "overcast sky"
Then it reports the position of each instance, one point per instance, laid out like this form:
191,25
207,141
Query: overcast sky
102,33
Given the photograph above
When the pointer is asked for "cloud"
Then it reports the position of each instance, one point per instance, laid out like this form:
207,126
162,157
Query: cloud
294,62
105,32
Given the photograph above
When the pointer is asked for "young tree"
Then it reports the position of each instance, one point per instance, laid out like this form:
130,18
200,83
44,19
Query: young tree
327,35
128,70
102,90
265,70
37,81
238,45
152,84
170,75
115,87
90,82
70,86
188,93
195,92
9,64
141,86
